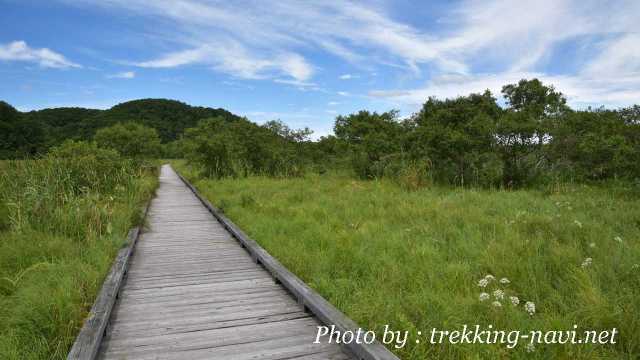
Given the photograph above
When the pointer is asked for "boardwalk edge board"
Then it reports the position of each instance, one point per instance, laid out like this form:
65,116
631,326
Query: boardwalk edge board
90,336
306,297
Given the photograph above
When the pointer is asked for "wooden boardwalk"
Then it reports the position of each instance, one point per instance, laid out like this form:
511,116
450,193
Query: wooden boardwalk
192,292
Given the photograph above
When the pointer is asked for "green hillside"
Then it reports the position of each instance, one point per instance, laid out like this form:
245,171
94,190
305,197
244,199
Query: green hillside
30,133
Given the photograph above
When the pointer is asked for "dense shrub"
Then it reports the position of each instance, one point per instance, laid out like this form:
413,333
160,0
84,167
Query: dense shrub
87,167
130,139
534,140
458,136
370,137
241,148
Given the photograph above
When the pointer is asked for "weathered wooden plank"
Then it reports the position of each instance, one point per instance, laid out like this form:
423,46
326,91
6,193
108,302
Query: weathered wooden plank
204,322
200,325
216,337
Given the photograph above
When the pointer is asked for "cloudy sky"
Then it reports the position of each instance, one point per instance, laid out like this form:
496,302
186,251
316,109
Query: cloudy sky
306,61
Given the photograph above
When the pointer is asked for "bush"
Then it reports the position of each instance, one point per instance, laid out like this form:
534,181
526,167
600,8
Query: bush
415,175
241,148
86,167
131,140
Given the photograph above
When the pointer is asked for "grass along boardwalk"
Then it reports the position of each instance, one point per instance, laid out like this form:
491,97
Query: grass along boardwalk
192,292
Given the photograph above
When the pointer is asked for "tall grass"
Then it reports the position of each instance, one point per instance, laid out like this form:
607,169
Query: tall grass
62,220
413,259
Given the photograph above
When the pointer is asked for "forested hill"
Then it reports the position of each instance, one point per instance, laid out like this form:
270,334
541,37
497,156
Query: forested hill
24,134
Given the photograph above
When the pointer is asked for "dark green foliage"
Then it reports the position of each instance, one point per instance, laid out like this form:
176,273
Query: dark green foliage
169,117
173,150
62,124
34,132
458,137
524,129
88,168
596,144
241,148
283,130
370,136
19,137
470,140
130,140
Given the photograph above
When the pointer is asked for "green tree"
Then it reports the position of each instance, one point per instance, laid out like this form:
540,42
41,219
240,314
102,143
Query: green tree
458,137
533,109
371,137
597,144
283,130
240,148
130,139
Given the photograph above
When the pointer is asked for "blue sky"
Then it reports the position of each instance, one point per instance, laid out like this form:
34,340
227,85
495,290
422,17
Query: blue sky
304,62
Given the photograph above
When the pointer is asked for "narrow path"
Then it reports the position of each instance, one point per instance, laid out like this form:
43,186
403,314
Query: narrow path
192,292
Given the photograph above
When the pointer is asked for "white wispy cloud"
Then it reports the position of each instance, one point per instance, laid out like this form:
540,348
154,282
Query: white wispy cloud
123,75
473,46
346,77
580,90
517,40
235,59
20,51
349,30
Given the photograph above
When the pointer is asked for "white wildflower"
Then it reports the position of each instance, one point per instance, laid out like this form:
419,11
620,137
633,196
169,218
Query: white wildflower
504,281
587,262
578,223
496,304
636,266
483,283
489,277
530,348
498,294
514,300
592,245
484,296
618,239
530,307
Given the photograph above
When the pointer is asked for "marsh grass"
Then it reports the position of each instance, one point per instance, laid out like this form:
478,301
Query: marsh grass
63,221
412,259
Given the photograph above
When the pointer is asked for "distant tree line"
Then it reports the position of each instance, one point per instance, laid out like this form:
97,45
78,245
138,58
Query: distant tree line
471,140
32,133
534,138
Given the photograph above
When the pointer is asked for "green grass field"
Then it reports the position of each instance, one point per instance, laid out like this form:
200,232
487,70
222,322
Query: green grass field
62,222
413,260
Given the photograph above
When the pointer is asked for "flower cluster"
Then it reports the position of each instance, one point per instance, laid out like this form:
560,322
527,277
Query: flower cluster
587,262
500,294
530,307
530,347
